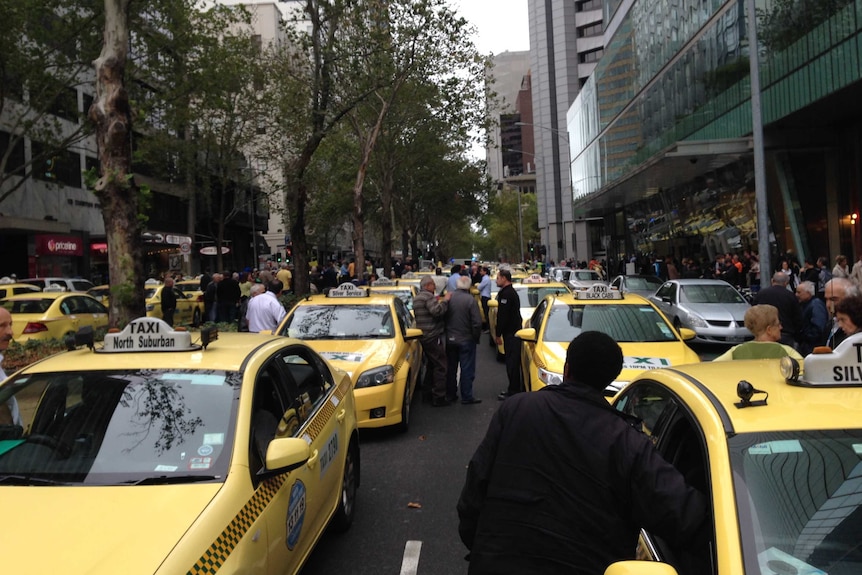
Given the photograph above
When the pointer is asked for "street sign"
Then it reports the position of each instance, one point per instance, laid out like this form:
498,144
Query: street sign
211,250
185,248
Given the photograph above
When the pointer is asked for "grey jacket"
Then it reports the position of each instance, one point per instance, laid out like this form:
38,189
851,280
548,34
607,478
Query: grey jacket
463,321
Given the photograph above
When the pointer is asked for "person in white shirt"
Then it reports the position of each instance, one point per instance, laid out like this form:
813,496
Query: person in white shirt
9,413
265,312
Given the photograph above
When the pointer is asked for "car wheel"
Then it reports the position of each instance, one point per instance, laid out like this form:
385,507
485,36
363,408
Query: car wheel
196,318
343,517
404,424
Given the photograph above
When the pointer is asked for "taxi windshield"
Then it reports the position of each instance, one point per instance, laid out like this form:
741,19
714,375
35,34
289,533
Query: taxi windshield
623,322
150,292
531,296
799,496
341,322
117,427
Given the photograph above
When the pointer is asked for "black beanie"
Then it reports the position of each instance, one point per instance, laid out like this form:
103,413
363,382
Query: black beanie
594,359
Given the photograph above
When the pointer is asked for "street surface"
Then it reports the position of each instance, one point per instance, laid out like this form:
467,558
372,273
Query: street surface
426,466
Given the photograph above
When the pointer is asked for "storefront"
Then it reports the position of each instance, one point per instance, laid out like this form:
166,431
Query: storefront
58,256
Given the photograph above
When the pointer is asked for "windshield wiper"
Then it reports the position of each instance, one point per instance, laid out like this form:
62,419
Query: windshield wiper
171,479
29,480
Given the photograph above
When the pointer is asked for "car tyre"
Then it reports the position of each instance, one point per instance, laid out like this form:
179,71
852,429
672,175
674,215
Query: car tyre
343,518
196,318
404,424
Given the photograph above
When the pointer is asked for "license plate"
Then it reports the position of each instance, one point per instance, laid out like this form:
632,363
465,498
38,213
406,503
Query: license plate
735,340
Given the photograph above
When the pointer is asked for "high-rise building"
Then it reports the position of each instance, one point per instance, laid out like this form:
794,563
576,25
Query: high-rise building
662,147
566,42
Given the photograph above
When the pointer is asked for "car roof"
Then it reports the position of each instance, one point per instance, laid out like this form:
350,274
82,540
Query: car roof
228,352
710,388
46,295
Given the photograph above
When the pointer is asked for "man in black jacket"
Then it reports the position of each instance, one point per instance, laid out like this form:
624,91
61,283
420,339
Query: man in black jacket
509,322
168,301
789,310
562,482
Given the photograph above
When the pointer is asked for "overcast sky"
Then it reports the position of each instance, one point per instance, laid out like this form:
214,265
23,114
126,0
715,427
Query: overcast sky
502,24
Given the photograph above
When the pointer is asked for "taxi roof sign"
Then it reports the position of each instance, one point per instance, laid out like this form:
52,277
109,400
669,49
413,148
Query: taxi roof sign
383,282
842,367
534,279
347,290
598,291
148,334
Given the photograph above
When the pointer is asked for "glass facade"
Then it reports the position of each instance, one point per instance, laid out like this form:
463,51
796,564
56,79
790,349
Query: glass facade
678,71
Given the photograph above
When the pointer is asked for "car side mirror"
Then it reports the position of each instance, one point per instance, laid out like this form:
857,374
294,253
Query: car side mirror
686,333
526,334
412,333
493,303
284,454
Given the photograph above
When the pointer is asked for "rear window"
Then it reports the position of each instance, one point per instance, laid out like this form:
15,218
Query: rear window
28,305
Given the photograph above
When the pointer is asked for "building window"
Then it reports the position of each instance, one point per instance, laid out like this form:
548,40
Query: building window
62,167
593,56
591,30
15,163
587,5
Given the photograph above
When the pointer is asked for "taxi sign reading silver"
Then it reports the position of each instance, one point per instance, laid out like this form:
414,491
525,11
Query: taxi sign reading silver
347,290
841,367
148,334
598,291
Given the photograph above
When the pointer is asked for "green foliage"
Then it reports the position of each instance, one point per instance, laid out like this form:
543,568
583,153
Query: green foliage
784,22
504,226
20,355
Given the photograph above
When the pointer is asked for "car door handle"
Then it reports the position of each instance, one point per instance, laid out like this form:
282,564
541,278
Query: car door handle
341,415
312,461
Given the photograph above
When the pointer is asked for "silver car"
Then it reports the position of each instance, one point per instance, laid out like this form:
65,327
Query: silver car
644,285
581,279
714,309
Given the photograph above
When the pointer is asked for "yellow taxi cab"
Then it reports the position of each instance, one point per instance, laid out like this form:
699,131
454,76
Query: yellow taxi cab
647,339
776,445
189,309
405,292
193,288
101,293
53,314
370,336
531,290
10,289
160,455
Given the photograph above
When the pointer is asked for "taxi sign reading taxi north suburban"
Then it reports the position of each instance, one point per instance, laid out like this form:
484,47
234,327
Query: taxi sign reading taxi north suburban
147,334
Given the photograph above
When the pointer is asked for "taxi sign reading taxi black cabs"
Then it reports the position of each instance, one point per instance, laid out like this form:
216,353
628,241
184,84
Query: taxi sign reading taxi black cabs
598,291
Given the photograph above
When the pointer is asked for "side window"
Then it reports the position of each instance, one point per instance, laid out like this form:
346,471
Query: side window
269,407
307,385
536,320
405,320
653,404
94,306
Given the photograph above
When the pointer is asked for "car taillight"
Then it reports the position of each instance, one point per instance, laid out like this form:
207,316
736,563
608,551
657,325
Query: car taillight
200,298
35,327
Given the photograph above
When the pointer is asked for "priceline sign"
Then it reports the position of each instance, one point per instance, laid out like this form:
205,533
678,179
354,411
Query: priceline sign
53,245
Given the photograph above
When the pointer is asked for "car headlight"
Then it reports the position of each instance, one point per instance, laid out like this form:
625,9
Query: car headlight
697,321
549,377
377,376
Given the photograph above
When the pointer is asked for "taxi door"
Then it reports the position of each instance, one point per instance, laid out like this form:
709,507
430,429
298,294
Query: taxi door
309,494
528,348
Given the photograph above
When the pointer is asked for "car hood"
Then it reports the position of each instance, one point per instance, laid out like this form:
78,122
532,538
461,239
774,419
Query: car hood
97,530
355,356
718,311
637,357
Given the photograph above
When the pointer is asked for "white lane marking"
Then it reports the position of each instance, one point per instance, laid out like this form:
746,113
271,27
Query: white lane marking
410,563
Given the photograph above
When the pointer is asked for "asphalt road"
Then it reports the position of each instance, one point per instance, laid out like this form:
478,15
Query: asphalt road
406,521
425,466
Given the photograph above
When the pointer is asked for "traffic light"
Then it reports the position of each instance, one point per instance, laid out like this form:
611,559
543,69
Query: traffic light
530,245
278,257
289,251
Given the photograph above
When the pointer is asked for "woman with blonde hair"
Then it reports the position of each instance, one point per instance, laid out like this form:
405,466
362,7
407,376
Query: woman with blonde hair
761,320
